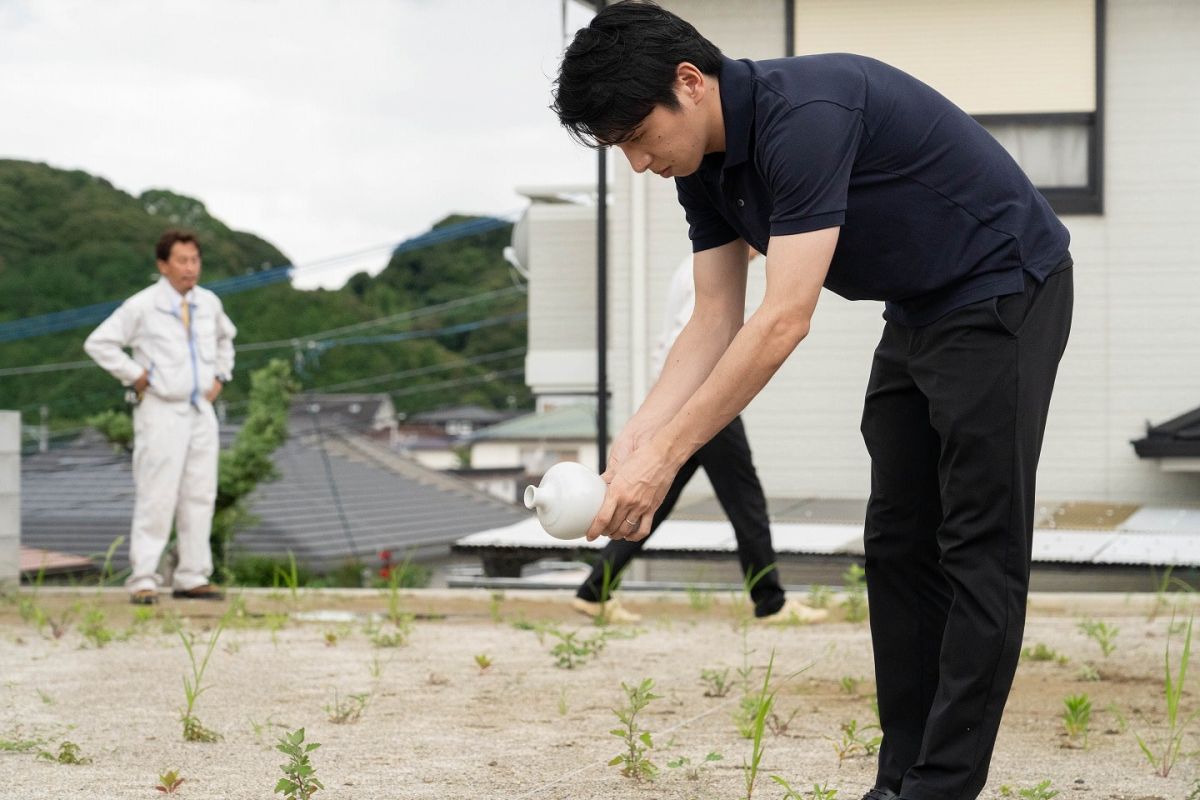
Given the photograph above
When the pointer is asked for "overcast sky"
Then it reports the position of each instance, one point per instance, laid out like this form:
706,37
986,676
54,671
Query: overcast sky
325,127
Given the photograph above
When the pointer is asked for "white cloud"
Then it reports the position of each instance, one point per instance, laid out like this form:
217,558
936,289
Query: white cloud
325,127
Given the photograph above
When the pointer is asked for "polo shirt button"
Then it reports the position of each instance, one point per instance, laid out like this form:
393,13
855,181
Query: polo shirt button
740,202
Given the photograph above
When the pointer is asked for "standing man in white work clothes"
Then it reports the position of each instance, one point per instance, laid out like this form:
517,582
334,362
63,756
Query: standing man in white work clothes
182,345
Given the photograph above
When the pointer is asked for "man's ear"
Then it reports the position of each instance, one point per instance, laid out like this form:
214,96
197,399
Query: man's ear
690,82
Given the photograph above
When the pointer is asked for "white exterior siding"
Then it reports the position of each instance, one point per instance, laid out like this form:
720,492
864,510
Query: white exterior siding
1135,348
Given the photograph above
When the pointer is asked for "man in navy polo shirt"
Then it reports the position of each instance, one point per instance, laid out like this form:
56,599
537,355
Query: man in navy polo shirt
852,175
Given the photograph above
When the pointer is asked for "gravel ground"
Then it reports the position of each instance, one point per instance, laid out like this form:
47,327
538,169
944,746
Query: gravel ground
436,725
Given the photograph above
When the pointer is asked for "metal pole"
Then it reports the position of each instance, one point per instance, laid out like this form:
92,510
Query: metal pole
602,309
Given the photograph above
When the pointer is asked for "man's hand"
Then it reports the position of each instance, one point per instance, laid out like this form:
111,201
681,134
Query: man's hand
212,393
635,491
632,437
142,383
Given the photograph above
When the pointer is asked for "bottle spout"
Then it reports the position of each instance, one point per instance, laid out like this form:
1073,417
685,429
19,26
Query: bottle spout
531,497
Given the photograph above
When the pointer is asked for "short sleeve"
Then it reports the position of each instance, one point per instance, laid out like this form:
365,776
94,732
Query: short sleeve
807,156
706,227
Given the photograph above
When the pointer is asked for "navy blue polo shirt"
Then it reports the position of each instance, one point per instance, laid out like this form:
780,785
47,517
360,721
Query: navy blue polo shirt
934,213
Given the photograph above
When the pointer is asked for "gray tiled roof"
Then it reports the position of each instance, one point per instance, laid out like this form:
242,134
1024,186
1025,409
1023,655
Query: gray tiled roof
79,498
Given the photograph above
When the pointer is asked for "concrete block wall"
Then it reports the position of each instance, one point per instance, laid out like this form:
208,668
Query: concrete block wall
10,496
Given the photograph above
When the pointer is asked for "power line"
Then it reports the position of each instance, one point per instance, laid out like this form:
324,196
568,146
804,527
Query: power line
431,387
402,316
411,373
294,341
58,321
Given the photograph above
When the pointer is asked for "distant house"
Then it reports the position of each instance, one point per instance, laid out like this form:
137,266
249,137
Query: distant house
437,439
367,414
342,495
535,442
1174,444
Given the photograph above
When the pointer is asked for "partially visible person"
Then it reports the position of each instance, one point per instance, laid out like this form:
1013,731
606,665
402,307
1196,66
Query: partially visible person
182,345
727,461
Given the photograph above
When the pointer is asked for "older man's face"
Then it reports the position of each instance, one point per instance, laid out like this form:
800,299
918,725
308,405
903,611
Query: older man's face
182,267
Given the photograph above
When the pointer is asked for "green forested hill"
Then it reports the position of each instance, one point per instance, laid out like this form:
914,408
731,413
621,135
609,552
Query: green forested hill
69,239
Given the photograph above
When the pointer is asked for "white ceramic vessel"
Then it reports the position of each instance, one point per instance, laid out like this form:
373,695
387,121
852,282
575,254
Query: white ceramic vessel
567,499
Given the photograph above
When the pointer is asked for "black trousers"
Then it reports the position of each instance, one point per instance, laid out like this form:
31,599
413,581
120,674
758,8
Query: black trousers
953,420
726,459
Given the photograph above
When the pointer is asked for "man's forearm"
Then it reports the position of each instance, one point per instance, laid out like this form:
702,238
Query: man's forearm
689,362
752,358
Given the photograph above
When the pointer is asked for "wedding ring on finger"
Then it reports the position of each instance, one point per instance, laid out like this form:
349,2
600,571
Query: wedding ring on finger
633,522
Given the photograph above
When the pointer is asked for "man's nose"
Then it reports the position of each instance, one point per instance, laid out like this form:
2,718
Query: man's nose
639,161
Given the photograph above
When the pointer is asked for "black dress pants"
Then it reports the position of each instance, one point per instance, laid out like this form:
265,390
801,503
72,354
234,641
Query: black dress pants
727,462
953,420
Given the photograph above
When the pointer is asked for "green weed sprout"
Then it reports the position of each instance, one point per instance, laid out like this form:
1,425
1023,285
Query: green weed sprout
819,791
193,687
716,683
1040,792
849,684
854,582
68,753
1077,715
1041,652
637,740
300,782
699,599
764,700
348,711
169,782
819,595
483,661
93,628
1102,633
692,771
1169,749
855,739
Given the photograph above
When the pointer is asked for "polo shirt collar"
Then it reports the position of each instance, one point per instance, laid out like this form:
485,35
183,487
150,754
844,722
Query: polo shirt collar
737,109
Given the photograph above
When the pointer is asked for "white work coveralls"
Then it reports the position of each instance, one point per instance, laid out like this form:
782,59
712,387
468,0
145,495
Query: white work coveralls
175,428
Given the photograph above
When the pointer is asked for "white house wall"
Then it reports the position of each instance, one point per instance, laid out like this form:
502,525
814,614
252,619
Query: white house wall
1135,348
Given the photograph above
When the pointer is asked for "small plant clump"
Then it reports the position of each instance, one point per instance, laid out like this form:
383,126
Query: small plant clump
169,782
349,710
1040,792
1077,715
692,771
634,763
193,687
855,585
1040,652
483,661
300,781
856,740
716,683
1102,633
849,684
570,651
68,753
819,791
1164,757
819,595
93,628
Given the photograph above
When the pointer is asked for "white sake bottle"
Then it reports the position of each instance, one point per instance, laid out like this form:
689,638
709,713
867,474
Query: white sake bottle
567,500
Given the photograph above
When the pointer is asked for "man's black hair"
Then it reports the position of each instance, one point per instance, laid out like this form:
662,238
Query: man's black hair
618,68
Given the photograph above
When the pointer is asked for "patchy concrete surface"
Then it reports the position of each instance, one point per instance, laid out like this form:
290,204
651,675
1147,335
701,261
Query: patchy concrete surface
437,725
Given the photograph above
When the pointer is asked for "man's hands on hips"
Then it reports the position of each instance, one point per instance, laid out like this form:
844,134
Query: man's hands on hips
142,383
638,478
212,393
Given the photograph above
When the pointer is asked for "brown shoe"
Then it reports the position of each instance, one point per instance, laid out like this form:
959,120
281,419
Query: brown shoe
143,597
205,591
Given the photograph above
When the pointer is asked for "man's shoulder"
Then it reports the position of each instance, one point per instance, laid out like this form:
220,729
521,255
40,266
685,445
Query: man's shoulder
207,296
143,298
